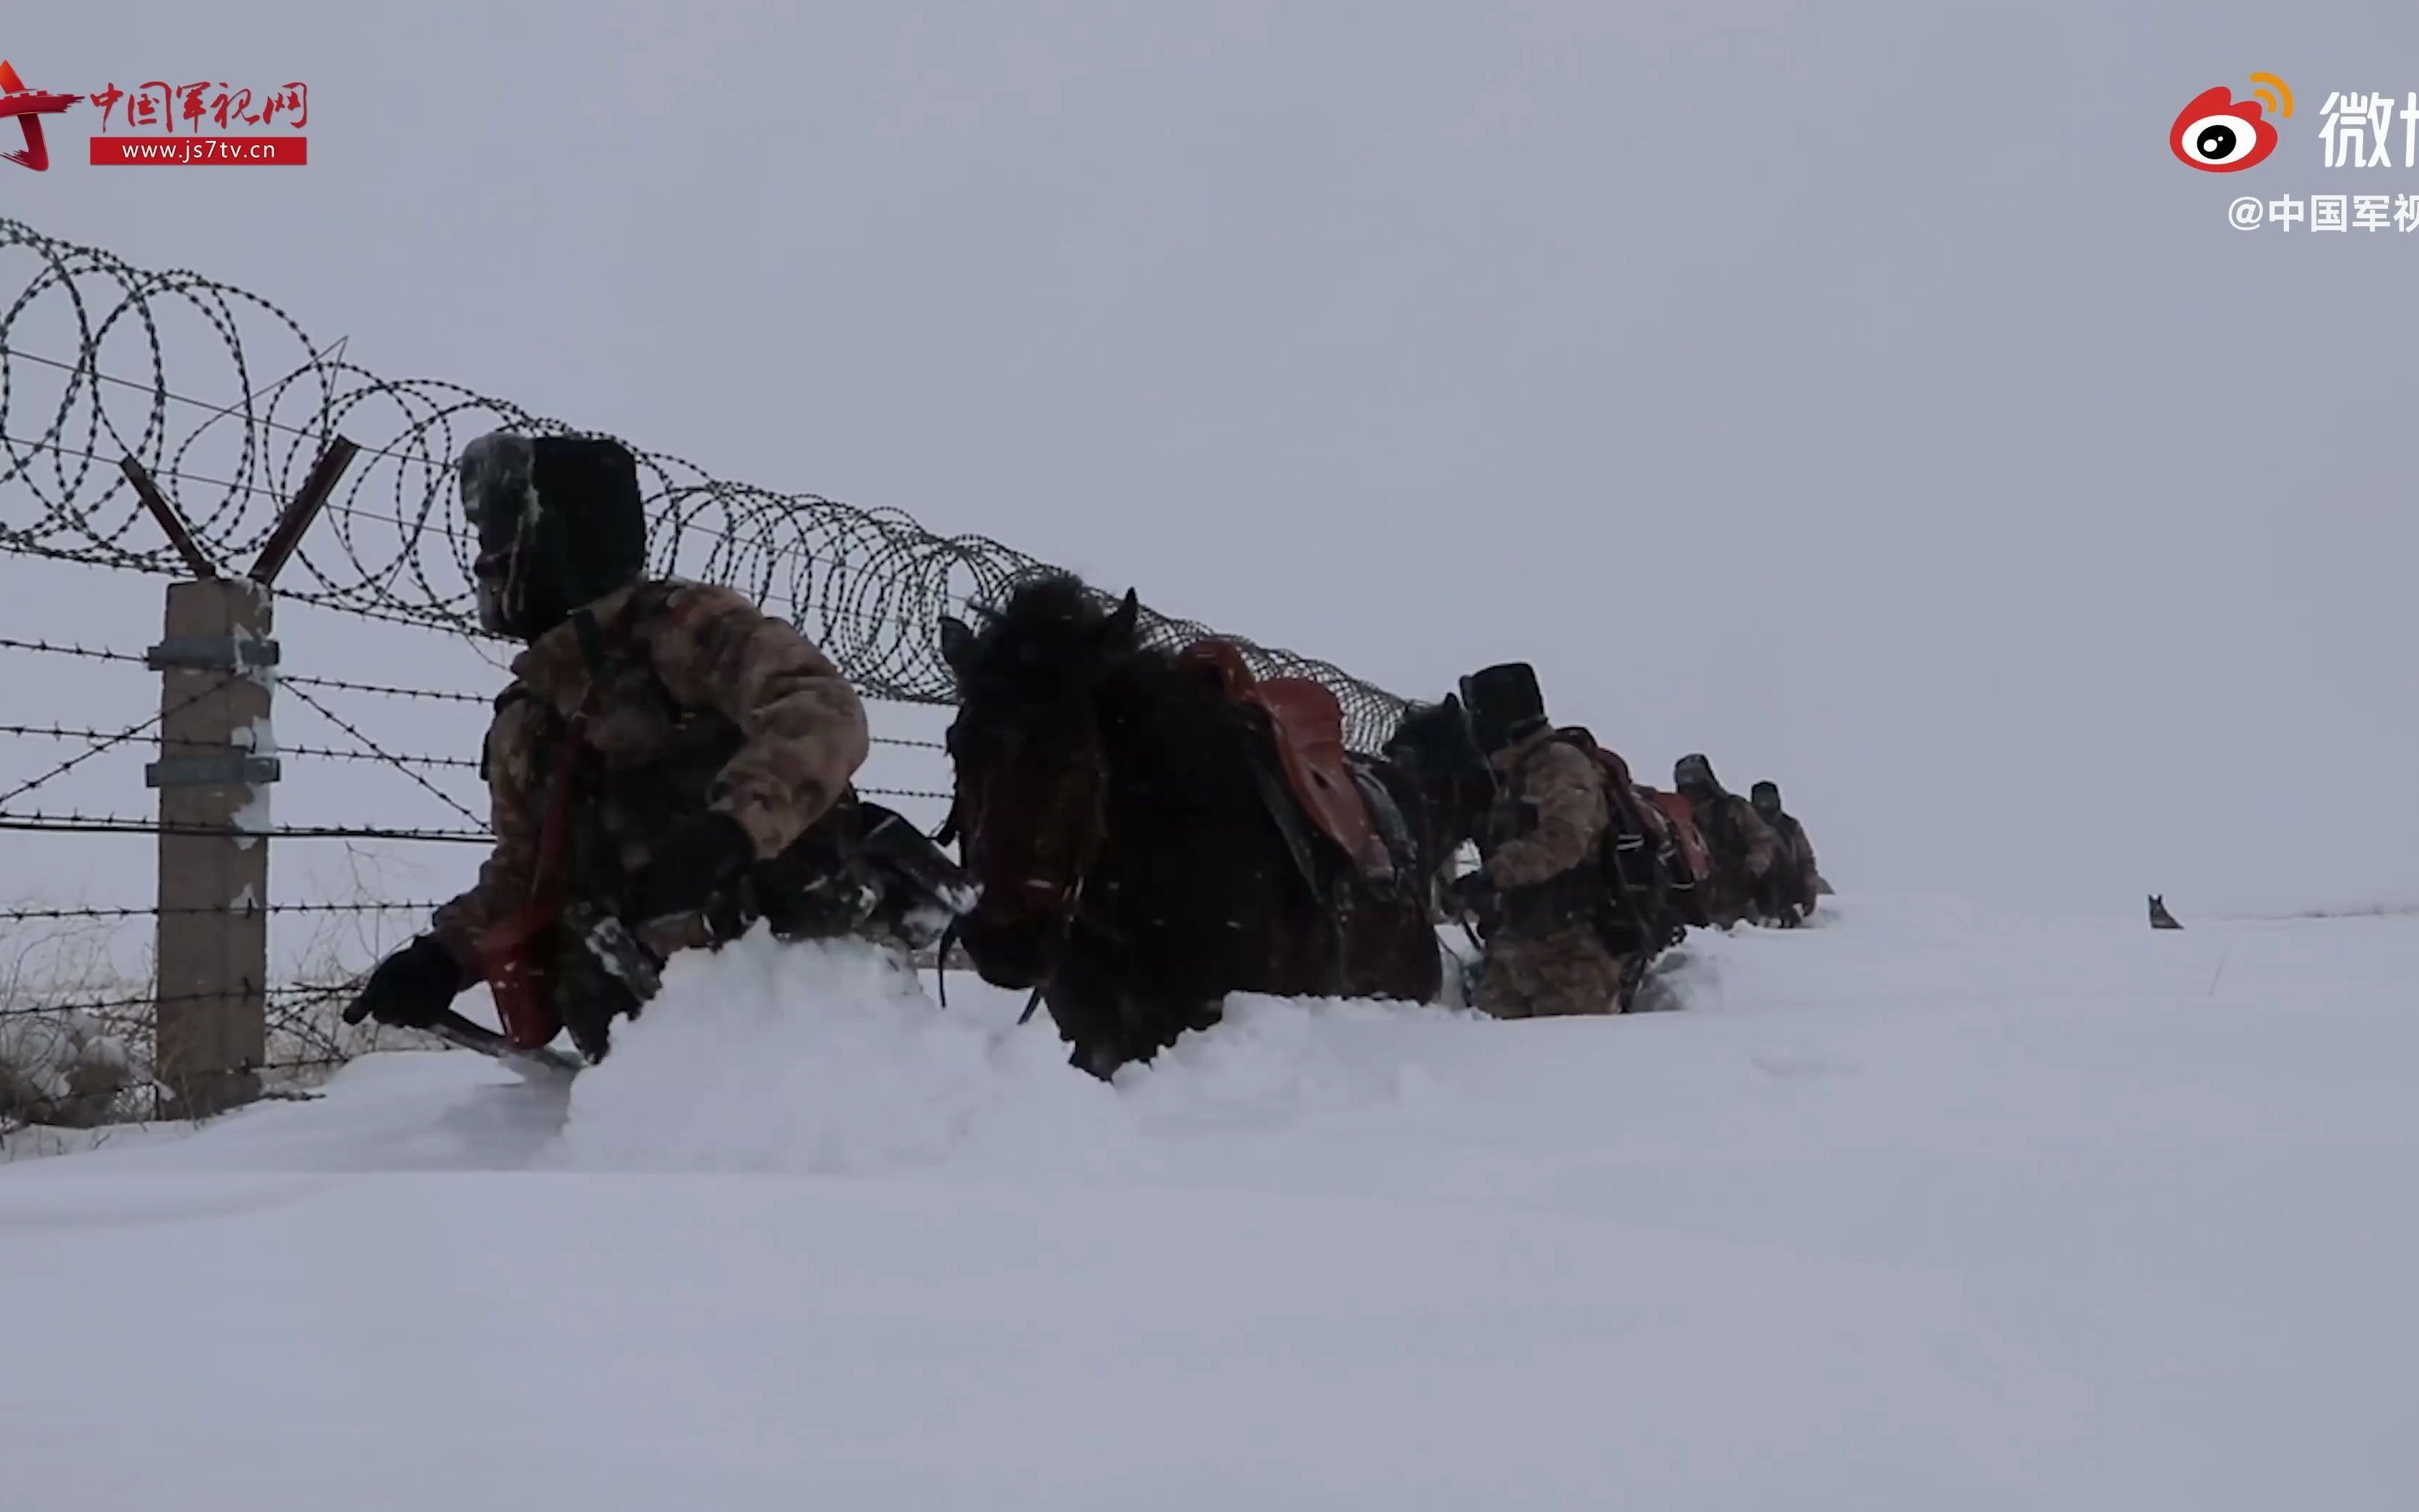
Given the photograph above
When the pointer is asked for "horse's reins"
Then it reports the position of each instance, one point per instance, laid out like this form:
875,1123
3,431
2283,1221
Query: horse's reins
1066,900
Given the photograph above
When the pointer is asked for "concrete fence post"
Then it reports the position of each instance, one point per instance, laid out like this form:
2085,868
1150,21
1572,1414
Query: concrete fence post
216,663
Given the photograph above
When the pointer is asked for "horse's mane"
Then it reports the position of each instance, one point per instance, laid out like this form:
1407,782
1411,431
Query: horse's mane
1437,732
1422,723
1060,598
1048,628
1054,631
1055,624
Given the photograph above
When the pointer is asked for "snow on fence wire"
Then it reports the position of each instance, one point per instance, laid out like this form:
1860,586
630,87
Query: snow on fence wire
162,423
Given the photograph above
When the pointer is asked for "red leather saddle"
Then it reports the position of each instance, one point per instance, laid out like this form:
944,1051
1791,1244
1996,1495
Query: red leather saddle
1684,825
1307,724
1621,791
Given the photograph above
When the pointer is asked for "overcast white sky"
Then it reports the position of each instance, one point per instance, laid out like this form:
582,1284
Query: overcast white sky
1860,393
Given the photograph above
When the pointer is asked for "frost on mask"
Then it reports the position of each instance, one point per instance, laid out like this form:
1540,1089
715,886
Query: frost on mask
500,500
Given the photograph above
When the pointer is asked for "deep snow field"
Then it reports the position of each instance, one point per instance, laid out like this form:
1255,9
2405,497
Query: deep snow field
1926,1209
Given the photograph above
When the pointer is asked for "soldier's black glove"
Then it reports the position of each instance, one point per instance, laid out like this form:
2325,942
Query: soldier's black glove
410,987
694,868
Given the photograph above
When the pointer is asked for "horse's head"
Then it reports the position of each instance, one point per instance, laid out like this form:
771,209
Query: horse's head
1031,773
1434,743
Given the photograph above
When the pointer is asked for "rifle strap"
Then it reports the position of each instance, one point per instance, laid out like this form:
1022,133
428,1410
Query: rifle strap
546,879
517,948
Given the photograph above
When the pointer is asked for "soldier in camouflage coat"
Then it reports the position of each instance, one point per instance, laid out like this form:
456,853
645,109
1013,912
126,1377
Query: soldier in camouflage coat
1745,852
1542,885
713,737
1800,880
719,737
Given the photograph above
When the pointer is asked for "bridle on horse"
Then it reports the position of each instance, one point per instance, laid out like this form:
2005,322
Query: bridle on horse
1063,899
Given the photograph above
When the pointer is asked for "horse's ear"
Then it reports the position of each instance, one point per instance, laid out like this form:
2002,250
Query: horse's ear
956,642
1451,704
1120,627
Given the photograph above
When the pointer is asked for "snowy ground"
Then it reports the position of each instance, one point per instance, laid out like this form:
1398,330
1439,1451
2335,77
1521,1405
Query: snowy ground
1924,1209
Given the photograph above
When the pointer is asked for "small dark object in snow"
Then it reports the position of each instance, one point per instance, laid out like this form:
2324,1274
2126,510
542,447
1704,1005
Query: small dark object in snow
2160,918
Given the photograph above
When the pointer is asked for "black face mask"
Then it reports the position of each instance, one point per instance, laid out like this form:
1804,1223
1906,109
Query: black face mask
524,573
501,505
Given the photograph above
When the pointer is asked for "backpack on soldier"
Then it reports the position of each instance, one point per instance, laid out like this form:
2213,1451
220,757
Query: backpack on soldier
1632,855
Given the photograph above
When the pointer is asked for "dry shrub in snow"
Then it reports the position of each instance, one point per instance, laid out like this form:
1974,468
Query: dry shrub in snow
60,1063
65,1068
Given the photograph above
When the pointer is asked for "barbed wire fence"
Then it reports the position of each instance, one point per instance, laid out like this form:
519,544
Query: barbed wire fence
164,424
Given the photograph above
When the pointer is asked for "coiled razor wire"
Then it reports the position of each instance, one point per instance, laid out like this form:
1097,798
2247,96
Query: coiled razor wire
228,403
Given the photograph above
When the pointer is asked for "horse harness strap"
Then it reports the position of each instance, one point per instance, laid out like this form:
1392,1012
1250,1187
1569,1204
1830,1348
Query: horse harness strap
1286,812
964,824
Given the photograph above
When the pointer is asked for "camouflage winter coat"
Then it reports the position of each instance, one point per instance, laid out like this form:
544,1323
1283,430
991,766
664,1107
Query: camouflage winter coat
1797,858
1744,852
1544,833
702,702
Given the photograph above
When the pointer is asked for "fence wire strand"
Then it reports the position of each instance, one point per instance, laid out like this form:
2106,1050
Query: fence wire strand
224,398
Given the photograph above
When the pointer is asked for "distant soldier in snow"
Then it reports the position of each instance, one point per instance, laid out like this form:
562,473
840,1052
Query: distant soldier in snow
669,766
1541,885
1745,851
1798,881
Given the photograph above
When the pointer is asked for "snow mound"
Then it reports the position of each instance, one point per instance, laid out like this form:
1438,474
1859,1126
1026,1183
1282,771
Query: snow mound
818,1059
815,1059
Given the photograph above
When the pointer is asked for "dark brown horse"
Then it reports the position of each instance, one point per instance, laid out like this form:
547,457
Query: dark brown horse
1139,852
1441,779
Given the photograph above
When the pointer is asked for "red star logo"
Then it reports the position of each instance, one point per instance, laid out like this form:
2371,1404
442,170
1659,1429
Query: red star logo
29,106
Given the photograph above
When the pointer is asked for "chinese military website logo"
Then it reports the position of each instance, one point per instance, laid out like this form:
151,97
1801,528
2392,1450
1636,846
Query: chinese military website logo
167,122
28,107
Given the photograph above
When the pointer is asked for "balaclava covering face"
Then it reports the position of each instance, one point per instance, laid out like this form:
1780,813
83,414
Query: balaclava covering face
559,525
1693,773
